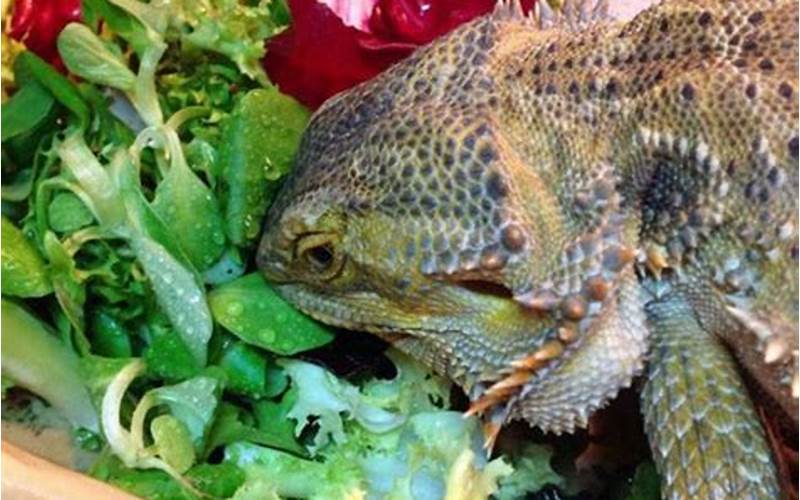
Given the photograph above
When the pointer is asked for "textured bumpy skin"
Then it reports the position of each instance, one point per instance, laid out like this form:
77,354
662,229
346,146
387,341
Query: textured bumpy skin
540,212
698,416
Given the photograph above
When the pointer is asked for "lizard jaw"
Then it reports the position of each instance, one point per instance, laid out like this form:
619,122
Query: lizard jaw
331,312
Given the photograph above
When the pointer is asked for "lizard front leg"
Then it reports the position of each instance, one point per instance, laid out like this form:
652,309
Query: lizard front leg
704,433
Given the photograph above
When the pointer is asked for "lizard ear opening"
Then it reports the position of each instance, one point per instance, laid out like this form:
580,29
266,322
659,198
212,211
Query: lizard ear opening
485,287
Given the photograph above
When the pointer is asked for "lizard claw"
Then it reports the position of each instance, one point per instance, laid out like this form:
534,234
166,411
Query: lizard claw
505,388
494,424
490,432
656,261
549,351
516,379
775,350
487,401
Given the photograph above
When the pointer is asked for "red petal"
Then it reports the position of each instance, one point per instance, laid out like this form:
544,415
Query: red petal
460,12
21,19
38,26
415,21
318,56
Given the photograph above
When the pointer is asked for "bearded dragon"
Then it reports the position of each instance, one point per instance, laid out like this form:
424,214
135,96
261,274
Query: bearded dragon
546,207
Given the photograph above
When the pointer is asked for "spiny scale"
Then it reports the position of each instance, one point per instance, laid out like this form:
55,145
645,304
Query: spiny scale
571,16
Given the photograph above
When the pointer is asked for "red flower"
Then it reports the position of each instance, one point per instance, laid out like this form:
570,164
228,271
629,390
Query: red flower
330,49
37,23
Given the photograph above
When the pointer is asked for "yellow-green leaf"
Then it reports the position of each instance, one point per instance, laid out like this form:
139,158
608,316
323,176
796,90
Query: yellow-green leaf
24,273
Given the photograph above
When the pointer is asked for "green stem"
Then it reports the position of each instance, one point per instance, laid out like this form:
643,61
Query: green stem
99,191
144,96
76,240
182,116
138,418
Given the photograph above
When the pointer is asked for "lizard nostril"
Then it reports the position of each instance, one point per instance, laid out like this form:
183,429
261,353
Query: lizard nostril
271,259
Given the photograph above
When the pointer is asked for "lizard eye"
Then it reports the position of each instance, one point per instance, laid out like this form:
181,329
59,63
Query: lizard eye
320,256
317,252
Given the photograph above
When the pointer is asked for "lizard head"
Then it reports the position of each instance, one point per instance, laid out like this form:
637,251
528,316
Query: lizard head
413,215
403,226
400,216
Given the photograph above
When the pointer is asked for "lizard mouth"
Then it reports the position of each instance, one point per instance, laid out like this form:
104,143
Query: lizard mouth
362,311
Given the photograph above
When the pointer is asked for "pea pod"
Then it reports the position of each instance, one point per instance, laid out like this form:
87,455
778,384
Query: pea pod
260,140
24,273
251,310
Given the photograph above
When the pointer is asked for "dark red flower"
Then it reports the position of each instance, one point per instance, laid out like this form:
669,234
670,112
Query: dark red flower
329,50
37,23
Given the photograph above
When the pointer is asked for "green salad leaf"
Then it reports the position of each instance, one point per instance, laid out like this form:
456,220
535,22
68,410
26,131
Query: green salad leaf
250,309
426,453
67,282
24,273
213,480
119,21
269,426
66,213
178,294
183,200
173,442
87,56
246,369
532,473
25,110
167,354
646,484
325,398
234,29
108,336
30,67
192,402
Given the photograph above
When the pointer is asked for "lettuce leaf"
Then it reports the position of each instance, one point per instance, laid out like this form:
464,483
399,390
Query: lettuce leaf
532,472
364,448
232,28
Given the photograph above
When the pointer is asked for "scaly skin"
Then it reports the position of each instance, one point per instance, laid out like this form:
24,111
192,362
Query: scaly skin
538,213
